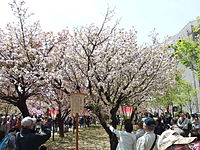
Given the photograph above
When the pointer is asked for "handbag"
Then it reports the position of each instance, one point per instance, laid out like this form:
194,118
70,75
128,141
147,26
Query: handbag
154,142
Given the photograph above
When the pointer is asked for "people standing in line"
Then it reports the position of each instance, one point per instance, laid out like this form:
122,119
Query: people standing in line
183,123
127,139
149,140
28,139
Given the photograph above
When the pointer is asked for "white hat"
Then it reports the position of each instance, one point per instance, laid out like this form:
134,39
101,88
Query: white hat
27,121
170,137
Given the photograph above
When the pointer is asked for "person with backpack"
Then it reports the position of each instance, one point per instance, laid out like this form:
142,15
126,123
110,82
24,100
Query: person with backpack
9,141
28,139
149,140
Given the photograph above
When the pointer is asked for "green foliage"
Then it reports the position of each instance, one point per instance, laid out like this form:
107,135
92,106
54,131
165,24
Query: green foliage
187,51
181,93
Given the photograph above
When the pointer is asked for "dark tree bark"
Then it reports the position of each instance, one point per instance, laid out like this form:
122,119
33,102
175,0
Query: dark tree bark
112,136
133,113
113,142
60,122
61,127
21,105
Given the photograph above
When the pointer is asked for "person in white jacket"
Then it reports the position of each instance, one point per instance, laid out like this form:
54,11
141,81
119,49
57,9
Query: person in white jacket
127,139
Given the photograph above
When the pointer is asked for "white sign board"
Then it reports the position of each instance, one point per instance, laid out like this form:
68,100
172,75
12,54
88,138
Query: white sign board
77,102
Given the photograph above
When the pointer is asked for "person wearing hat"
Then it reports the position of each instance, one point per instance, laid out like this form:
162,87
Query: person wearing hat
28,139
171,140
149,140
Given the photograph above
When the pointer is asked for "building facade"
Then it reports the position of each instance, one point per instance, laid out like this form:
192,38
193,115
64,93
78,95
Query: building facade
188,74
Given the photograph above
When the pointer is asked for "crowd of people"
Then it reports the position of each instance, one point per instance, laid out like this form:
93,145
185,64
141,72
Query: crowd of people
145,132
23,134
11,125
162,132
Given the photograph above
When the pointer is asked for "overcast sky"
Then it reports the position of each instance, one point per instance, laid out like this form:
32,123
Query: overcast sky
167,16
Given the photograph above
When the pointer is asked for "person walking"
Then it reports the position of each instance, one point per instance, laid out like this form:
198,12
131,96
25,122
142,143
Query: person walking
28,139
149,140
127,139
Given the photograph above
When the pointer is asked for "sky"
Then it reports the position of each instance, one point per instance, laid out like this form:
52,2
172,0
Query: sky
168,17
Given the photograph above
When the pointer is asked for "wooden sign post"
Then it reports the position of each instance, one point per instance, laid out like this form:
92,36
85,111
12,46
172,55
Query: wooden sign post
77,105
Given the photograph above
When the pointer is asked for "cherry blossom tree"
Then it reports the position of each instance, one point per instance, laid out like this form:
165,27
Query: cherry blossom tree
104,61
115,69
58,100
26,57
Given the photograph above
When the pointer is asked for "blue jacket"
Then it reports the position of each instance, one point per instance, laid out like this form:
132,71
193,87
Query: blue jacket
12,143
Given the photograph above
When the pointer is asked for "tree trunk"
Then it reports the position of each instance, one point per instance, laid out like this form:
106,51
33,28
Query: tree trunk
168,109
196,89
60,122
113,142
113,112
61,127
112,136
21,105
133,113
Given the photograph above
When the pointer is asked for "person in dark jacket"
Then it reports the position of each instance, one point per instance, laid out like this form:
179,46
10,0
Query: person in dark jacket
28,139
160,127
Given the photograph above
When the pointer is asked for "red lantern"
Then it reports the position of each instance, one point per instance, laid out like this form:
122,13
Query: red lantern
127,111
53,114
